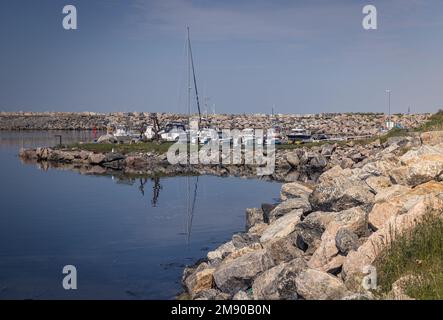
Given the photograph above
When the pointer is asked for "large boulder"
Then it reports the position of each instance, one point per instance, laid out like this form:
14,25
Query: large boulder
327,250
282,227
402,200
278,283
379,168
346,240
211,294
222,251
244,239
267,209
367,253
310,230
327,150
200,280
294,190
378,184
288,206
96,158
355,219
253,216
283,249
328,256
241,295
317,162
340,189
390,192
432,137
424,169
60,156
317,285
293,159
235,275
113,156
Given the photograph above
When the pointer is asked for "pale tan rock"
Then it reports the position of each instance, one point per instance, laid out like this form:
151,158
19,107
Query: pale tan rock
385,194
258,229
379,240
327,249
201,279
382,211
317,285
418,170
282,226
222,251
432,137
294,190
378,184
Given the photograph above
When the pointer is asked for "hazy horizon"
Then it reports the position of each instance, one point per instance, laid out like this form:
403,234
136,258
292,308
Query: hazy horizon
304,57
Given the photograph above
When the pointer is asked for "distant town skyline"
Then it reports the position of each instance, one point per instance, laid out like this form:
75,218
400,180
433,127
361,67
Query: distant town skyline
298,56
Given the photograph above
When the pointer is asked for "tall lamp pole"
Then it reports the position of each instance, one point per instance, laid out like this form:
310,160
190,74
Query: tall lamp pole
389,107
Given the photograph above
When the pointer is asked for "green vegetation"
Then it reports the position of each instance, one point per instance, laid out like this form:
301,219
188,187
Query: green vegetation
418,253
434,123
123,148
395,132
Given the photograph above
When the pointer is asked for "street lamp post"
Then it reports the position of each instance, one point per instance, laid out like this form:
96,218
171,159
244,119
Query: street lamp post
389,107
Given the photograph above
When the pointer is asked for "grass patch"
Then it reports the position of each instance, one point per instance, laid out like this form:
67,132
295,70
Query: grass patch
123,148
434,123
395,132
418,253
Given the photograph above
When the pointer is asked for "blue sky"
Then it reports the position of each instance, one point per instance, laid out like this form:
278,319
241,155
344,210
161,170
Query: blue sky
301,56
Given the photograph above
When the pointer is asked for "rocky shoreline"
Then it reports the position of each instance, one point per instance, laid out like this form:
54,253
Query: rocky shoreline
336,215
317,242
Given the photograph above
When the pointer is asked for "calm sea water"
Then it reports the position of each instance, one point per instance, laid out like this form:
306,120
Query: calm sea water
128,239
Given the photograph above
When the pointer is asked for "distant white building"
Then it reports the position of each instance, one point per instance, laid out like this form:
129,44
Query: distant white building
389,124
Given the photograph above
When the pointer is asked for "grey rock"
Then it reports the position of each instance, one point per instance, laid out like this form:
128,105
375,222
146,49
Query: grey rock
293,160
267,208
241,295
278,283
346,240
253,216
284,249
241,240
211,294
288,206
340,189
237,274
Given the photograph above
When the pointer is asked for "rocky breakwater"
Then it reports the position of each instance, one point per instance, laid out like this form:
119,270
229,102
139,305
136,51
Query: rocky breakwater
300,164
101,163
317,242
338,124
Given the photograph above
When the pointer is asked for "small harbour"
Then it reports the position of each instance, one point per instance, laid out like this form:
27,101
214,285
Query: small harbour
130,238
